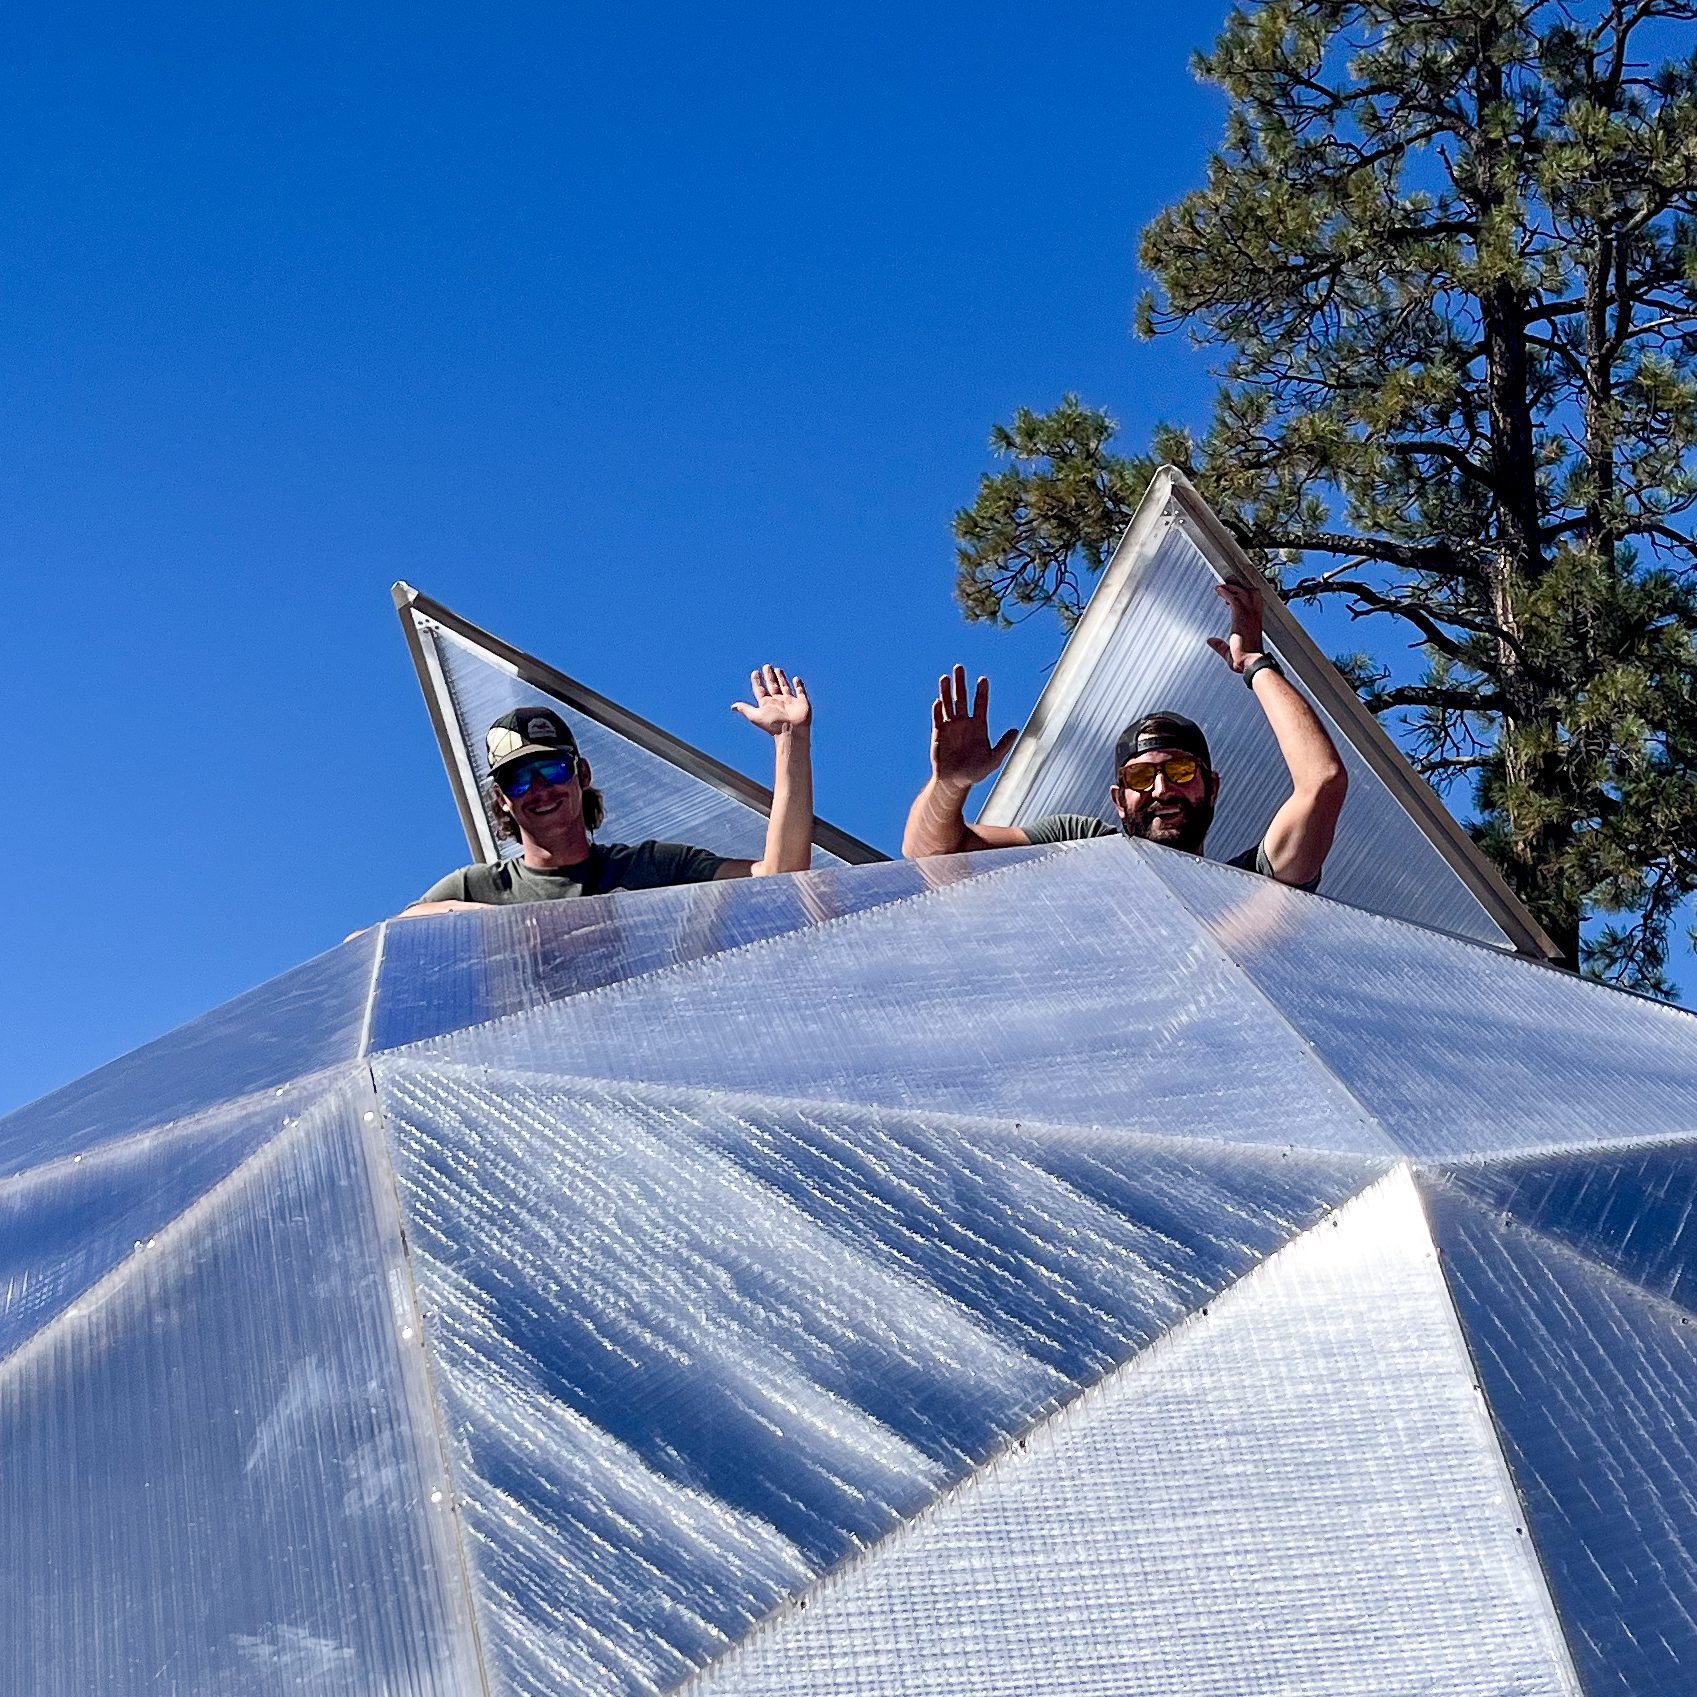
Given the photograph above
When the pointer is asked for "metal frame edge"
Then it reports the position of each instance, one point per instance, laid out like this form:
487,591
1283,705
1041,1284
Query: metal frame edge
1171,491
608,713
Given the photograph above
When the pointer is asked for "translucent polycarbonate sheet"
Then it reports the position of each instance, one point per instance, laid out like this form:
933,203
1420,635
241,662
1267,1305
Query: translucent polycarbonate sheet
216,1469
1070,988
307,1019
695,1348
1593,1383
1297,1491
1454,1049
646,796
68,1223
1150,653
1634,1209
445,972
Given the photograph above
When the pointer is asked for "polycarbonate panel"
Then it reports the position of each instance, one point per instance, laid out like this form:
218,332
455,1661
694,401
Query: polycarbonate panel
1593,1384
1634,1209
445,972
1297,1492
307,1019
66,1224
1150,652
216,1471
646,796
1070,988
1455,1050
693,1349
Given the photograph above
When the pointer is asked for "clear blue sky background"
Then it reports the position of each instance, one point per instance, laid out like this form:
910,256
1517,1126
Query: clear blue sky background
661,340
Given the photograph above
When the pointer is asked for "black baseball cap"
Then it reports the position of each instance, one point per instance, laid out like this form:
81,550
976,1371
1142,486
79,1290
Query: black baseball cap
526,731
1161,731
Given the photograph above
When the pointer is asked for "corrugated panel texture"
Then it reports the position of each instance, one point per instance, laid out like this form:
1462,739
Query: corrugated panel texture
307,1019
217,1464
1296,1492
438,978
1070,988
1455,1050
695,1349
1154,655
1593,1383
752,1224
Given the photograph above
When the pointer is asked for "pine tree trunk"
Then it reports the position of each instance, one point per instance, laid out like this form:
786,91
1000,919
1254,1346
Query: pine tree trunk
1531,758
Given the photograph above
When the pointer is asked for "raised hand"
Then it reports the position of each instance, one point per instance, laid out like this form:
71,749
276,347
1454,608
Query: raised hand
1244,644
960,733
780,703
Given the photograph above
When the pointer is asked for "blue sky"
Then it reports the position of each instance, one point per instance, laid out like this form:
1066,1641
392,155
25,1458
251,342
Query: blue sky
661,340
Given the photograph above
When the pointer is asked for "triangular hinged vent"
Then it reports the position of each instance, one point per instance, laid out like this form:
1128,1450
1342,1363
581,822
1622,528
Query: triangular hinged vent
655,784
1140,646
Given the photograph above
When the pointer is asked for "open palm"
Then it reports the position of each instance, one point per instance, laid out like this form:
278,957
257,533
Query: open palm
780,702
961,752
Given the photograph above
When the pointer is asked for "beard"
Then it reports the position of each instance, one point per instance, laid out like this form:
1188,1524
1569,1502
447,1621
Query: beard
1179,824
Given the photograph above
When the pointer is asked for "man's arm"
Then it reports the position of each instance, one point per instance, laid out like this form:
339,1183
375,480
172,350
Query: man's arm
781,709
1300,836
420,909
960,755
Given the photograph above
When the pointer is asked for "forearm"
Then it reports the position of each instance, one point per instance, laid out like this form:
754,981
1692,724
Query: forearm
789,830
1309,754
936,823
1300,835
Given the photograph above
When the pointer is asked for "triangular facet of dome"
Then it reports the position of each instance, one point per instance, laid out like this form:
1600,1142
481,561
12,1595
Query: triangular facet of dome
1455,1050
219,1473
437,977
1073,988
655,785
67,1225
1140,647
1243,1507
303,1021
1593,1384
1633,1209
695,1348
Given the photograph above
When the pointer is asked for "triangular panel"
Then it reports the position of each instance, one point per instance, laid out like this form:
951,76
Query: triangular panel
1071,988
1456,1050
1633,1209
305,1020
66,1225
1594,1387
1297,1491
218,1473
698,1348
655,785
442,973
1140,646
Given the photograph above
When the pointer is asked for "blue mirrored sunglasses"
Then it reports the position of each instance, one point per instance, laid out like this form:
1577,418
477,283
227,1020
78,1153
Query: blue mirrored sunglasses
522,779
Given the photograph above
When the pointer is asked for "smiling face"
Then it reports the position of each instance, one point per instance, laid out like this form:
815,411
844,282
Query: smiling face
544,797
1176,808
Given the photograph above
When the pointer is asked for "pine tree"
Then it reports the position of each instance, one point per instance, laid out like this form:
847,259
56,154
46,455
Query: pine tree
1448,253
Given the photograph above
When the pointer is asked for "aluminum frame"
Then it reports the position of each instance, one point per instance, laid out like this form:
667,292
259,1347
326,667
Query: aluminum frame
419,612
1172,499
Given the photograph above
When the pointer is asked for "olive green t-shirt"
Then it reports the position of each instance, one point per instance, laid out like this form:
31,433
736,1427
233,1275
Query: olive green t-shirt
1076,827
611,866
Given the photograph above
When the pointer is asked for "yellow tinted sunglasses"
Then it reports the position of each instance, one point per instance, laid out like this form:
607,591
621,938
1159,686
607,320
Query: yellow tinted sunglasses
1139,775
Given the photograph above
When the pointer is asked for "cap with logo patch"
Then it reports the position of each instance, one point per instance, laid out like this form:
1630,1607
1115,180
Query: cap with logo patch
526,731
1161,731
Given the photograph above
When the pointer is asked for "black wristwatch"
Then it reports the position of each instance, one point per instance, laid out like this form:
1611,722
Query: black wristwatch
1266,663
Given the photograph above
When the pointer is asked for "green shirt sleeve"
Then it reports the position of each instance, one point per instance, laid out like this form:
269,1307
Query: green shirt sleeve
449,889
1067,828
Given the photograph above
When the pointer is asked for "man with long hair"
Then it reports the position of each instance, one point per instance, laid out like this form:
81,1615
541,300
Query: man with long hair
542,794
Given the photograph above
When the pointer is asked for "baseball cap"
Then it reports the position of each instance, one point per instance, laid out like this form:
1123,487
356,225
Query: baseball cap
528,730
1161,731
